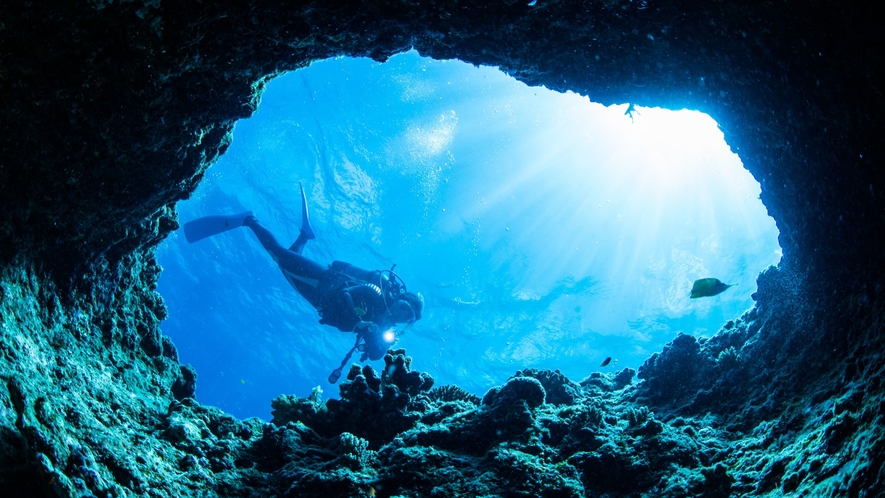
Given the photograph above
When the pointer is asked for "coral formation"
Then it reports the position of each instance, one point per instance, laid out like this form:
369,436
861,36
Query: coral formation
371,407
451,393
112,111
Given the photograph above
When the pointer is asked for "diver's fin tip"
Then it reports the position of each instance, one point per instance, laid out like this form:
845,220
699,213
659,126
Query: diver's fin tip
305,216
208,226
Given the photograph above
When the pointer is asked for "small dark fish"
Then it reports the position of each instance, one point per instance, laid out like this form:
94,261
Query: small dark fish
707,287
606,361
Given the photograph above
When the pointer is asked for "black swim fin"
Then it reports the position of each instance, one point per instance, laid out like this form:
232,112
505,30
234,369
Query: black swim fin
305,218
208,226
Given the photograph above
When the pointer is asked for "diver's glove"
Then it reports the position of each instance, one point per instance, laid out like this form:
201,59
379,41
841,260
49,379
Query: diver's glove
374,347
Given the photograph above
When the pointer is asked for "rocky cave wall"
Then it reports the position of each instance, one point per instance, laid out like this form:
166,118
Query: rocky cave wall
112,111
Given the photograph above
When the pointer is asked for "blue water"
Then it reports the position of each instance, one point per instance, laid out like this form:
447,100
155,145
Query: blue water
543,230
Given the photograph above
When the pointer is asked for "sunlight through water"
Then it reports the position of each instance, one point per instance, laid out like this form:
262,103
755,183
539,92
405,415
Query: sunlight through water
544,231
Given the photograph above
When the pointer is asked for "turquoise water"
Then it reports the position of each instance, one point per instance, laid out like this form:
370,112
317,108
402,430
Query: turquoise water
544,231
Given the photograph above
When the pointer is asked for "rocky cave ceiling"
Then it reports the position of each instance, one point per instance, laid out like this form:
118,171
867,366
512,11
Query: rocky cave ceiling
112,111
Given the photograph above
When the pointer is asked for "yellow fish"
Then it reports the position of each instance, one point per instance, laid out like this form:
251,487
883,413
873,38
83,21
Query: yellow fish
707,287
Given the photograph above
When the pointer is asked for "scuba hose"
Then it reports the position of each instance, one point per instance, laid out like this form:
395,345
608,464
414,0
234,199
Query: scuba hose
396,286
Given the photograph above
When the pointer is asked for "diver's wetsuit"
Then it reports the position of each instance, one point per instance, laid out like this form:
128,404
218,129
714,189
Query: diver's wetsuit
343,294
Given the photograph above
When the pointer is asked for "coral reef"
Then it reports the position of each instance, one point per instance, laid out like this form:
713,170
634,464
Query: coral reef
514,442
112,111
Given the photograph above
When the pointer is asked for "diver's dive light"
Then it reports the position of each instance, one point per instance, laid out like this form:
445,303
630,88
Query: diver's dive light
389,336
336,374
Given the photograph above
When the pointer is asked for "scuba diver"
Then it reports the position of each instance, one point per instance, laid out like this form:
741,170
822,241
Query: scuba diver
351,299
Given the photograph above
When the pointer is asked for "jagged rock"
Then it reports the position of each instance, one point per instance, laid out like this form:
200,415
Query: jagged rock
186,384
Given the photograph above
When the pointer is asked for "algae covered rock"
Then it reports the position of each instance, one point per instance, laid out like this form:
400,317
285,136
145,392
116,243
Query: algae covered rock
516,390
558,389
294,457
186,383
606,382
672,373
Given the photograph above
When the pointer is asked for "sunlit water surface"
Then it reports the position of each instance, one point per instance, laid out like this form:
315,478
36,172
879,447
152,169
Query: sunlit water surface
544,231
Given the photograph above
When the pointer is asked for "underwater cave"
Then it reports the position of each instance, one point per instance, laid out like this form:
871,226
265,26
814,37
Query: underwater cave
543,231
112,113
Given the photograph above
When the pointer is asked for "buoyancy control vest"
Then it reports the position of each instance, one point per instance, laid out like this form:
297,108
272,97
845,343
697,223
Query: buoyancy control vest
368,301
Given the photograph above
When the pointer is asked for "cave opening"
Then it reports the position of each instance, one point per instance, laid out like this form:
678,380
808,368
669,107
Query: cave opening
114,110
543,230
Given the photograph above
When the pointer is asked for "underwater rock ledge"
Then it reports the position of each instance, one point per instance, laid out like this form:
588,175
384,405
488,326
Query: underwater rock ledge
90,409
112,111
